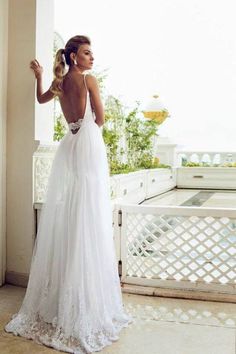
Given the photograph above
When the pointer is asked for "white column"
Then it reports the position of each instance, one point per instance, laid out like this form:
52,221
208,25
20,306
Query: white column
166,151
44,125
3,119
26,30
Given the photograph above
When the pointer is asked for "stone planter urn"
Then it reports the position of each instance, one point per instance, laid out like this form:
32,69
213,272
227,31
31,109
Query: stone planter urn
155,110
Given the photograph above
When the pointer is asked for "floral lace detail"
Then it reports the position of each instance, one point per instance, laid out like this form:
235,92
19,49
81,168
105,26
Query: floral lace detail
52,335
75,125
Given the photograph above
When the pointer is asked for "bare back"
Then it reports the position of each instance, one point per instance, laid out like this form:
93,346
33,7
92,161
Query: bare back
73,99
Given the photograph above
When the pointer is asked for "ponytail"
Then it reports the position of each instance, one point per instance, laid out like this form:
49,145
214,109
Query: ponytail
59,72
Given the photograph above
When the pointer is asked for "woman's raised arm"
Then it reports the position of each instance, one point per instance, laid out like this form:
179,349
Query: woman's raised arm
38,72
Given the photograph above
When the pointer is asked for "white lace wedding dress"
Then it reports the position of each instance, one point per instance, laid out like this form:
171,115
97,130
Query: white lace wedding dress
73,301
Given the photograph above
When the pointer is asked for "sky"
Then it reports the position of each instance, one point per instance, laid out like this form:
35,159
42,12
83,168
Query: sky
182,50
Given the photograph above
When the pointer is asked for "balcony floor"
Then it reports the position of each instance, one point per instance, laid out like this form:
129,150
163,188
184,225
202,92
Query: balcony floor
161,326
194,198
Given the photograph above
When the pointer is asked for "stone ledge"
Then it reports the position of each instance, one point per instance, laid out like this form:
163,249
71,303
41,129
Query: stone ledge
178,293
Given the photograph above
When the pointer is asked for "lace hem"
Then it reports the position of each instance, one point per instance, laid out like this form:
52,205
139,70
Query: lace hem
51,335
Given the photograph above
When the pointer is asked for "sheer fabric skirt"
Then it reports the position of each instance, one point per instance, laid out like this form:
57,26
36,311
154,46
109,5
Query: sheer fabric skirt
73,301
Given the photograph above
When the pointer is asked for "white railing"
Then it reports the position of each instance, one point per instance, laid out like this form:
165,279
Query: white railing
207,158
178,247
132,187
42,163
169,247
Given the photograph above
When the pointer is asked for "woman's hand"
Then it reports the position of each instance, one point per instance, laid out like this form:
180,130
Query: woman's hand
42,97
37,68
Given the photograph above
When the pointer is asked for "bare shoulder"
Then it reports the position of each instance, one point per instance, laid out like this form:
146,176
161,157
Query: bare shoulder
97,106
92,82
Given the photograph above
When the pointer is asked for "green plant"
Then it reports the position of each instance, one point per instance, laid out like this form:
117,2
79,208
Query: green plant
112,129
205,164
118,168
191,164
140,136
229,164
125,168
59,127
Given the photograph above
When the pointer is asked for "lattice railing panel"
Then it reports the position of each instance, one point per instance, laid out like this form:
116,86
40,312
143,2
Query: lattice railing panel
173,247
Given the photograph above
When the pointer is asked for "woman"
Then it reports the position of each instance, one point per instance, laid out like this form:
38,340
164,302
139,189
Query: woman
73,301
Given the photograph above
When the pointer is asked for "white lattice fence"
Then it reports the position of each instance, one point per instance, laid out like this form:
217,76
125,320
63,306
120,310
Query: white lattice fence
179,247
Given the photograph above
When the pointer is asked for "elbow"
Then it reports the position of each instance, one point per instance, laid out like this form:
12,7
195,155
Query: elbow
41,99
100,122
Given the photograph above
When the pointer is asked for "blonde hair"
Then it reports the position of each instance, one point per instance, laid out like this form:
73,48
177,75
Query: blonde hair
62,58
